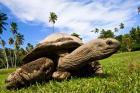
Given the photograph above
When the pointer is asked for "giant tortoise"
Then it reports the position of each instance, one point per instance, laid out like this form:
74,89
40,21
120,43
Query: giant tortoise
59,56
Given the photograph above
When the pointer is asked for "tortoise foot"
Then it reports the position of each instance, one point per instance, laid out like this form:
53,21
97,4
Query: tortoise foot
61,75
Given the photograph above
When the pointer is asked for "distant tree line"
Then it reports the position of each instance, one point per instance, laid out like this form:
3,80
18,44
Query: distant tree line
11,57
129,41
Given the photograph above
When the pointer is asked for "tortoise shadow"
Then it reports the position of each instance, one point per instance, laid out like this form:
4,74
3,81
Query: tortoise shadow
104,75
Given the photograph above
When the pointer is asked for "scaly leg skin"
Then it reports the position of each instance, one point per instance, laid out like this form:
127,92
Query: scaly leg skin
61,75
35,71
96,68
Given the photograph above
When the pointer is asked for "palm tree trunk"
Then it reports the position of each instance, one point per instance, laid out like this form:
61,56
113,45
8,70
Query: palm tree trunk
2,60
53,27
11,59
5,56
15,57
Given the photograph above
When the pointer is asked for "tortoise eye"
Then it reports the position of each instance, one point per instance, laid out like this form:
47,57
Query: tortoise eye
109,42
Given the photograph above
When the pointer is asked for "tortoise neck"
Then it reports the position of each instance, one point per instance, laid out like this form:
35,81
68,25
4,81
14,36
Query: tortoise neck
62,53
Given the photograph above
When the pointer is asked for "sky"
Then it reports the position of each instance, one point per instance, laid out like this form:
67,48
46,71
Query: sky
80,16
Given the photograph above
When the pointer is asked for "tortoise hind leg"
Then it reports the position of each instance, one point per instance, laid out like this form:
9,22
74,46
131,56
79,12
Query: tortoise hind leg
35,71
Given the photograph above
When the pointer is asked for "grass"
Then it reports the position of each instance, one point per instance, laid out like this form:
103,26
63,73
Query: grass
122,75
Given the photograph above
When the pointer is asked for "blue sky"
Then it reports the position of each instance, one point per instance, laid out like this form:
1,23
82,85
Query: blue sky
80,16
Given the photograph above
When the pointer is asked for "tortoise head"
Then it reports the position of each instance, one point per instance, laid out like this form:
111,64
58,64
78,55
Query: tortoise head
103,48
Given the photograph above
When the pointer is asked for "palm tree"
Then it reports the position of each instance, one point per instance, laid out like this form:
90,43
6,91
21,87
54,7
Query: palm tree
116,29
14,32
3,18
2,42
3,23
76,35
29,47
138,9
121,26
18,41
11,42
106,34
14,28
96,30
52,18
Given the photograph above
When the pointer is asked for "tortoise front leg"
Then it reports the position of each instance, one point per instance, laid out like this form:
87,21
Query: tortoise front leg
95,68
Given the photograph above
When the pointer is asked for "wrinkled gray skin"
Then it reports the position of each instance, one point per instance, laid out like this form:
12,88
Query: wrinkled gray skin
84,56
38,70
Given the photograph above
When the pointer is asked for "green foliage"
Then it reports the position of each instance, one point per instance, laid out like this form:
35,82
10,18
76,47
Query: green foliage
52,18
96,30
121,26
106,34
116,29
76,35
10,41
19,39
130,41
29,47
136,47
14,28
127,41
3,23
121,75
11,57
138,9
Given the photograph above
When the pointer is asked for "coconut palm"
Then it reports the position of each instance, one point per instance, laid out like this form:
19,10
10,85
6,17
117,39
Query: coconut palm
11,42
18,41
106,34
121,26
3,23
138,9
3,18
76,35
2,42
116,29
96,30
14,28
29,47
52,18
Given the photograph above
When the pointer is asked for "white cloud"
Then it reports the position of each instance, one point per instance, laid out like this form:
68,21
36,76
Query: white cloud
76,16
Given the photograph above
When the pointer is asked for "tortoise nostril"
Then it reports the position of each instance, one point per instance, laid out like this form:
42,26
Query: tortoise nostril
109,42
